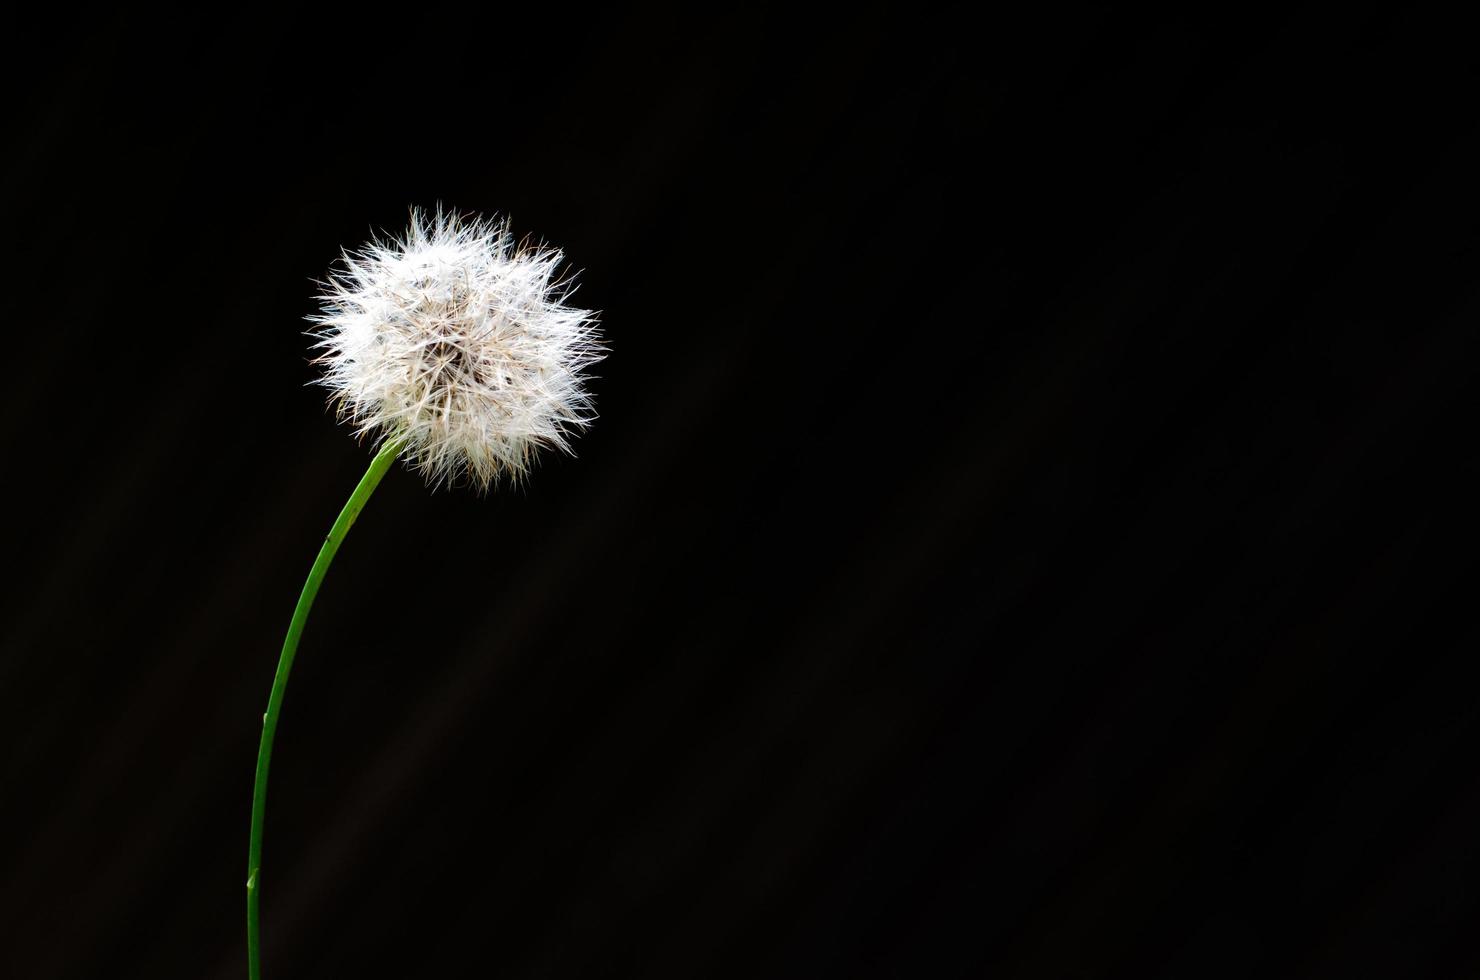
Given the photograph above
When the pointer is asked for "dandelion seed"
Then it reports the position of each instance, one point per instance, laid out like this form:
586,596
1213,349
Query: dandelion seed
457,343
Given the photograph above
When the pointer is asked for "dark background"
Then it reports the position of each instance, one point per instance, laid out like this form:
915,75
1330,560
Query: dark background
1021,537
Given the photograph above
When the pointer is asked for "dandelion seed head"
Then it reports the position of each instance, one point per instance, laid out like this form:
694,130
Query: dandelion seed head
458,343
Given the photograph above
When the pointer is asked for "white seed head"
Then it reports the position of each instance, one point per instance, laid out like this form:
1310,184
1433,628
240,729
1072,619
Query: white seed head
457,343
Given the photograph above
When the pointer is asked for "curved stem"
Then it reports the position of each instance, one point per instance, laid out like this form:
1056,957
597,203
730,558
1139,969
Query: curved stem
352,508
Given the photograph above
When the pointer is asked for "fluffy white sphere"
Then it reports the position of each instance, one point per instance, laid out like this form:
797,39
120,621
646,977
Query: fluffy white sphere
457,343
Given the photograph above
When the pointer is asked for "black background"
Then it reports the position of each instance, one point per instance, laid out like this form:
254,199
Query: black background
1020,538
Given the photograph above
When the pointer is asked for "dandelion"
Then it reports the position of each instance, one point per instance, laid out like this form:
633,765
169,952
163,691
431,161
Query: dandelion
457,344
453,348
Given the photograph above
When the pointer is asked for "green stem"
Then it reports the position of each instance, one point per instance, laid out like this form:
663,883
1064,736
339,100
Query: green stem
352,508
